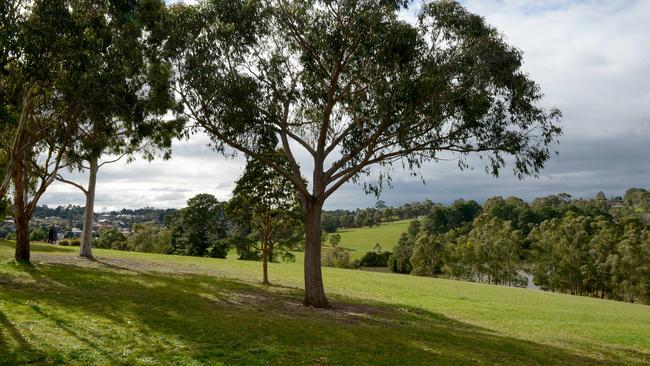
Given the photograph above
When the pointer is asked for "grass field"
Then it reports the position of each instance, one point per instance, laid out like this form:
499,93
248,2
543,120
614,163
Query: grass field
145,309
362,240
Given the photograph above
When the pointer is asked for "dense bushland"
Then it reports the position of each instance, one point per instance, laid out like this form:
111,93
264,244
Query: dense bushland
596,247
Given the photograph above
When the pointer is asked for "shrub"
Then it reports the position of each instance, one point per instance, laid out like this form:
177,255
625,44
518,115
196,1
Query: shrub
246,248
338,257
38,234
107,237
288,257
75,242
65,242
148,238
355,264
120,245
374,259
218,250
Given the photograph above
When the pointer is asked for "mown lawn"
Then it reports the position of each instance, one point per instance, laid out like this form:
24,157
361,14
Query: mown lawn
144,309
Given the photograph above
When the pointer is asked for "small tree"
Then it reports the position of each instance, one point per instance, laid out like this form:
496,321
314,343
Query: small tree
353,87
334,240
269,203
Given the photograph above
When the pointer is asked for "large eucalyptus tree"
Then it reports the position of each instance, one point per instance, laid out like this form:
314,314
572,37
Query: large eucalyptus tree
39,83
126,95
355,89
81,79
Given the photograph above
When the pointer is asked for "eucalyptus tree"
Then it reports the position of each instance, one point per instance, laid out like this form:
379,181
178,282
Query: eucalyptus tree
559,251
268,201
496,251
126,115
40,84
355,89
12,16
78,73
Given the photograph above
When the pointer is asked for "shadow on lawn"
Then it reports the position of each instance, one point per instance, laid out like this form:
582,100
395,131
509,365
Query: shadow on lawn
40,247
190,318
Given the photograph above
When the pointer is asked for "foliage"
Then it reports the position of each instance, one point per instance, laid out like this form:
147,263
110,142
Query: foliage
630,267
337,257
442,219
426,259
333,220
108,237
127,114
400,260
334,240
567,245
147,238
247,248
38,234
200,228
355,87
376,258
266,209
330,222
492,251
638,198
512,209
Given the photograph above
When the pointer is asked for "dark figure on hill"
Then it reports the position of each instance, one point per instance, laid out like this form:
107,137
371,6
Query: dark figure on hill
51,235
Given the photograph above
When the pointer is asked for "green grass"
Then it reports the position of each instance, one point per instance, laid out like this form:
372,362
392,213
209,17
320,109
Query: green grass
362,240
145,309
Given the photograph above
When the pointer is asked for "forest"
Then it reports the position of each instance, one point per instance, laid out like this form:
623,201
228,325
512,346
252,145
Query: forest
593,247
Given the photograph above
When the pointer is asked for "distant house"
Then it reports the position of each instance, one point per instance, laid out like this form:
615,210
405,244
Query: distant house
104,224
7,227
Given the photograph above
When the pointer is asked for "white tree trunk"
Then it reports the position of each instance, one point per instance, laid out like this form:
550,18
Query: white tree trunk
85,250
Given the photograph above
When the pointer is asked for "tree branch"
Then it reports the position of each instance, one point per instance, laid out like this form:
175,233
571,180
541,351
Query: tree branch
63,180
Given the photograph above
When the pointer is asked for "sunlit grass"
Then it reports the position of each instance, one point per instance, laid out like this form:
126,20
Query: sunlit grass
137,308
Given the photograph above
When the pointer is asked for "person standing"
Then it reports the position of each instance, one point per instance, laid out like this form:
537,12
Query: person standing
51,235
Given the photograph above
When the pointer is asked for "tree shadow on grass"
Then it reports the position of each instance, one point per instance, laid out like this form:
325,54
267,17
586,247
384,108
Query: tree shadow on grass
15,349
136,317
39,247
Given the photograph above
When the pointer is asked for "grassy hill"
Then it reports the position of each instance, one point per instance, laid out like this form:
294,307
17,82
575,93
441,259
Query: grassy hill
362,240
144,309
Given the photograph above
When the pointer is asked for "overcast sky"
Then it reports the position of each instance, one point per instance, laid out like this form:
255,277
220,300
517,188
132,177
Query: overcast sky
592,60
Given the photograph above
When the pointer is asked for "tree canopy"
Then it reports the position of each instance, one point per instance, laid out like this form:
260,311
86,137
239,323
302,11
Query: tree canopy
352,86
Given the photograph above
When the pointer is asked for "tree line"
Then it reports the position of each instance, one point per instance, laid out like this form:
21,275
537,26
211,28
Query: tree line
593,247
86,83
333,220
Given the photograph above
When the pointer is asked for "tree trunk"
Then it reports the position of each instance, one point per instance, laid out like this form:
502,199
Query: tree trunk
21,218
314,290
265,263
85,250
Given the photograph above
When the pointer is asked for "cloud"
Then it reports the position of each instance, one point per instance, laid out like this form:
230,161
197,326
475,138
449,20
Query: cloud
591,59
